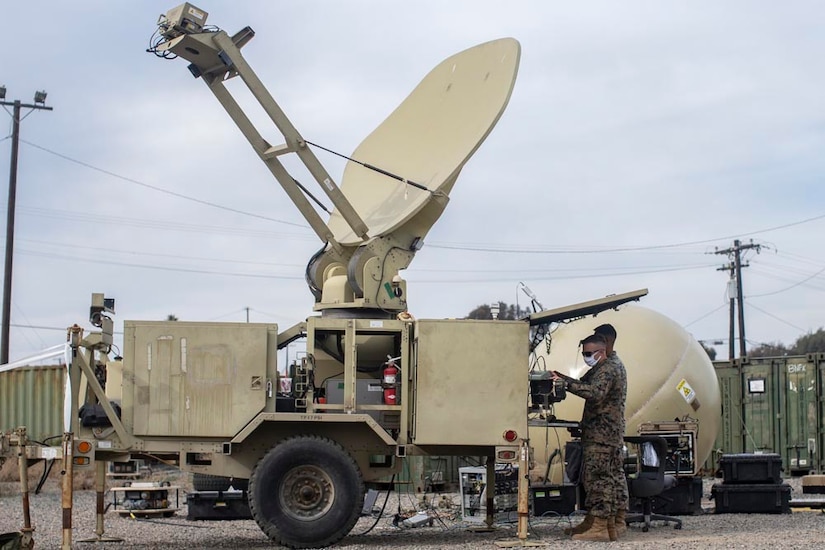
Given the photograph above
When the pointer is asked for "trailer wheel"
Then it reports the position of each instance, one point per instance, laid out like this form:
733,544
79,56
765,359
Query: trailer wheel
208,482
306,492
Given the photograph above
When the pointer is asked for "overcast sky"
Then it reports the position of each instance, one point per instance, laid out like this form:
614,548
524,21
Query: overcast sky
640,136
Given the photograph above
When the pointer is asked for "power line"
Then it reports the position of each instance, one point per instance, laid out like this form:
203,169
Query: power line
40,327
504,249
563,278
160,189
612,270
769,314
798,283
515,250
167,268
22,314
97,219
155,254
784,280
708,314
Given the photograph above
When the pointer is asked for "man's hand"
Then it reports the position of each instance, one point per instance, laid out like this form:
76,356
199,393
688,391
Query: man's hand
556,375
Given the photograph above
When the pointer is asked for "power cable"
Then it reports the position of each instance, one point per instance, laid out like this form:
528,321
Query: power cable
160,189
469,248
41,327
568,278
708,314
227,314
805,280
474,270
291,277
20,312
514,250
769,314
785,280
557,269
167,268
273,315
176,256
153,224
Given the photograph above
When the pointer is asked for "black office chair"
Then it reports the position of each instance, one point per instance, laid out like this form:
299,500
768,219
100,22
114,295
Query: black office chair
649,480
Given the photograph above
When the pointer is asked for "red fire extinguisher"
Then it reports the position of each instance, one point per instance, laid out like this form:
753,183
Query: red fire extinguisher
391,382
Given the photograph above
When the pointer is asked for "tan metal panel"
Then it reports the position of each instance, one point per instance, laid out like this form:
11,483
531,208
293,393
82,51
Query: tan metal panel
33,397
471,384
196,379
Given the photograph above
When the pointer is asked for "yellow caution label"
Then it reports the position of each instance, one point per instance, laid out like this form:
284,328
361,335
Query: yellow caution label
686,391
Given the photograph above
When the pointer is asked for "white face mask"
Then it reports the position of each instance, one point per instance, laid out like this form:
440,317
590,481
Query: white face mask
591,361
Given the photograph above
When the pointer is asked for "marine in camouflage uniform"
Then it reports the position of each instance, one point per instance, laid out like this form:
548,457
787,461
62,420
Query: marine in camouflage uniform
622,495
604,389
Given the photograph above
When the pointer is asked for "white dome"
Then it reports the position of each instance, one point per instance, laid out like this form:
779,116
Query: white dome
658,355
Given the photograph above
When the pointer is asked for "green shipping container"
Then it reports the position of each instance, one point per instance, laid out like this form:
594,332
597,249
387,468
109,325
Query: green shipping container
33,397
774,405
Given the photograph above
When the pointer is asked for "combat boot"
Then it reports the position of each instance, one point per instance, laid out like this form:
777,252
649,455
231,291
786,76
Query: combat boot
597,532
580,528
611,529
621,524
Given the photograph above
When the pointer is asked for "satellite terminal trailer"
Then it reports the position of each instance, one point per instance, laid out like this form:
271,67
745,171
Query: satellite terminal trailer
376,384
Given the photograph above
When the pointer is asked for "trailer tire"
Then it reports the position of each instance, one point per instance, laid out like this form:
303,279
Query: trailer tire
208,482
306,492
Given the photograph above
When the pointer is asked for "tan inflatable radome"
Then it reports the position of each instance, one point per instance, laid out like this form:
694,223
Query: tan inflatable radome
669,377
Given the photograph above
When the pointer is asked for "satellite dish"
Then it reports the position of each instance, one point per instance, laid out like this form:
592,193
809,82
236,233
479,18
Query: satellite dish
398,182
427,140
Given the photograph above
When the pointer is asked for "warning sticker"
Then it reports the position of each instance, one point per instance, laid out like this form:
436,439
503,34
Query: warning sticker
687,392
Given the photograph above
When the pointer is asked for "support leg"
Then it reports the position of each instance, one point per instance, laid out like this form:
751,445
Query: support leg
523,489
490,491
523,503
67,489
26,540
100,489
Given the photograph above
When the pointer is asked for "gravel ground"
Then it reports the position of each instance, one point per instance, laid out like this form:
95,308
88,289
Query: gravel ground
801,529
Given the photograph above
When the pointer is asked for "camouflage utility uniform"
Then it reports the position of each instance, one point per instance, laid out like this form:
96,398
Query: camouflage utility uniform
604,390
622,496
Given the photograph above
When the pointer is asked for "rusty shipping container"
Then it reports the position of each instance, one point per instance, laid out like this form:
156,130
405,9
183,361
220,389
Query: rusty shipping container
33,397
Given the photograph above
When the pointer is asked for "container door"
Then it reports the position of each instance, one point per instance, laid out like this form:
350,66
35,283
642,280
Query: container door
759,391
729,438
801,416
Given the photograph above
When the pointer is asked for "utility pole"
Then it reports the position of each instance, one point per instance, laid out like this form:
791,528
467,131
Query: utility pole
735,268
17,106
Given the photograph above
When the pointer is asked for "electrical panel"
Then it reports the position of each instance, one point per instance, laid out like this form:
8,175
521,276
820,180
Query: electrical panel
681,437
473,488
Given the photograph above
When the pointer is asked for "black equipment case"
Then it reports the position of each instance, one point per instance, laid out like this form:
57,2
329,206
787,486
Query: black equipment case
752,499
751,468
217,505
550,499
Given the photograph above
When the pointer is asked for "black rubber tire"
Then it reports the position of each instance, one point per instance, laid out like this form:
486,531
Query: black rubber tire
208,482
306,492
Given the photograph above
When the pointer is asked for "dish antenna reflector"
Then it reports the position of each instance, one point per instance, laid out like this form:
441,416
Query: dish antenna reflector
427,139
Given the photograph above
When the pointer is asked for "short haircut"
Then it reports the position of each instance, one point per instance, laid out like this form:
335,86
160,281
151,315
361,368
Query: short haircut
594,339
606,330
